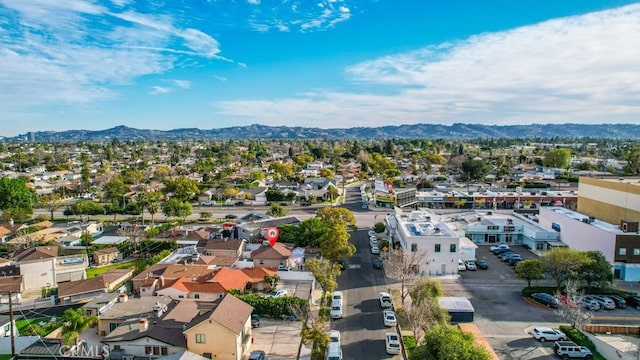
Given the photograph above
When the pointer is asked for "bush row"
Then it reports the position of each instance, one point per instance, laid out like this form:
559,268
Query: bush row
274,307
582,340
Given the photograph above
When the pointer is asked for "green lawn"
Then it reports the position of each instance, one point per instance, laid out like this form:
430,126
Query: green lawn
5,357
25,323
91,272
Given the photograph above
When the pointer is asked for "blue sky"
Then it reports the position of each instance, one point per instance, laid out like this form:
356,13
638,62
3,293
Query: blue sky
95,64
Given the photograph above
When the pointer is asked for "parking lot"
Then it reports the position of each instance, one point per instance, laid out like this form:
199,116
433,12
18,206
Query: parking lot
505,318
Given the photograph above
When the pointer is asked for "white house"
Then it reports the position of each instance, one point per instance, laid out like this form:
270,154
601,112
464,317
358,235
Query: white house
422,231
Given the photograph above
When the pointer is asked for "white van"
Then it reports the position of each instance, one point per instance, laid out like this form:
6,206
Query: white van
334,351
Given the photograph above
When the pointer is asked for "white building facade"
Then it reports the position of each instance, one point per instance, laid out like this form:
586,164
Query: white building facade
422,231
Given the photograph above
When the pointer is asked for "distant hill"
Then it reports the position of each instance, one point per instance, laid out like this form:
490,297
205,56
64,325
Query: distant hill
428,131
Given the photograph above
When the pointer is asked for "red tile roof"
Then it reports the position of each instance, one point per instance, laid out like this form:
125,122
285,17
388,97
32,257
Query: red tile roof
277,251
231,279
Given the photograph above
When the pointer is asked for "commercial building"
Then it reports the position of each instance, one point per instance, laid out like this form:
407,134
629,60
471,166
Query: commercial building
422,231
620,243
610,199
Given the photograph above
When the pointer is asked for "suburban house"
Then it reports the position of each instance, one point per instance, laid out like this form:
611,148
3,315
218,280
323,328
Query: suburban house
231,248
221,332
272,256
100,303
184,288
105,256
42,267
153,337
157,276
5,326
74,291
252,231
11,284
125,308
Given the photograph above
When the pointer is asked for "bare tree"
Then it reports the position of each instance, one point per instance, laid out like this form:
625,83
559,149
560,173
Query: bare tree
570,309
405,266
133,234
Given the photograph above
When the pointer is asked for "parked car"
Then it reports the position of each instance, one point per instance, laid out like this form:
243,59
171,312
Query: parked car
336,310
385,300
620,302
334,336
389,318
338,296
461,266
496,248
514,261
375,250
508,257
392,343
285,268
258,355
544,333
633,301
546,299
569,349
278,293
605,302
502,251
371,232
590,304
231,217
207,203
334,351
255,320
482,264
471,265
377,263
373,242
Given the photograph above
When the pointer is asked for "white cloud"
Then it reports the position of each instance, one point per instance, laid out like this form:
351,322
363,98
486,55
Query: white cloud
157,90
581,69
221,78
254,2
185,84
71,51
299,15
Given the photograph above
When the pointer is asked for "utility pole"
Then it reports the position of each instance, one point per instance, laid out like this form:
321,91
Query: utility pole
13,334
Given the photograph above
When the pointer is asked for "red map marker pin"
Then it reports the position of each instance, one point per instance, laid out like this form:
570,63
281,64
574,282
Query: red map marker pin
272,235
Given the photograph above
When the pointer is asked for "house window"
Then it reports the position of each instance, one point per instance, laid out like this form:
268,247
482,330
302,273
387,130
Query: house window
156,350
622,251
261,262
508,238
636,252
200,339
164,350
281,262
414,247
196,296
112,326
539,246
452,248
147,349
116,347
437,249
206,355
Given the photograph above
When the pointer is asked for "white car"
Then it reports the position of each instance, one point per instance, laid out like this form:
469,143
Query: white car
375,250
385,300
372,233
461,266
392,343
338,296
336,310
498,247
277,293
389,318
544,333
373,242
334,336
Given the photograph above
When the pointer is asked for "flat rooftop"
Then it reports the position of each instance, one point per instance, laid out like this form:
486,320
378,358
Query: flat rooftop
135,307
602,225
422,223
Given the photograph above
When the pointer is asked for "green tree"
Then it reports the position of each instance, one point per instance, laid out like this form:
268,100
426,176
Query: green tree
316,334
564,263
425,289
334,244
597,272
310,231
15,194
177,208
115,189
325,273
557,158
530,270
336,215
181,188
445,342
276,210
474,169
633,161
205,215
74,322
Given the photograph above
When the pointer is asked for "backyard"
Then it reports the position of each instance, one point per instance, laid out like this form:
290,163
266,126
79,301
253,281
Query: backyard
91,272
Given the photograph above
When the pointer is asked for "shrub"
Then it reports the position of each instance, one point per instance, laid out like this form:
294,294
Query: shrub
273,307
409,342
581,339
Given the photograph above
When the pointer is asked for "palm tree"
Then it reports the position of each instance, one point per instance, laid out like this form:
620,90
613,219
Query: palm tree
316,334
153,207
74,322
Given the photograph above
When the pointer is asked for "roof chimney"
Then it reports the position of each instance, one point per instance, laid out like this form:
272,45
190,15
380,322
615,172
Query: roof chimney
144,324
123,298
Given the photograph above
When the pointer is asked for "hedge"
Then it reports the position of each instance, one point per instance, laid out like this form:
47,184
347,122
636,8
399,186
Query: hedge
274,307
581,339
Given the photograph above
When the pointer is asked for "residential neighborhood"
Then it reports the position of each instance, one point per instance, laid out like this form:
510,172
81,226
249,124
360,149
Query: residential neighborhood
168,254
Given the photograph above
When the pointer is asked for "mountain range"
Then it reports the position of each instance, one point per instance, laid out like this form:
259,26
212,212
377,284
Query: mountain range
428,131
